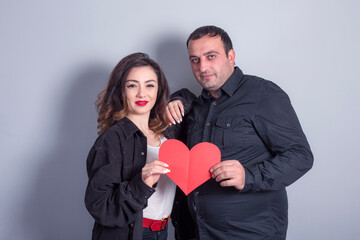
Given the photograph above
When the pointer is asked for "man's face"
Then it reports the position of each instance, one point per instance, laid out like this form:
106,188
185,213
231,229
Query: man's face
209,62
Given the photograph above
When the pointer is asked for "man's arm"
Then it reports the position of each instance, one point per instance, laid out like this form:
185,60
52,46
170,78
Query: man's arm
279,128
277,125
180,104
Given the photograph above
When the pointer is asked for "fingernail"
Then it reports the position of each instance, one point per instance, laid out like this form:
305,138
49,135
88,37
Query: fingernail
166,165
166,171
178,122
181,120
174,122
182,114
211,170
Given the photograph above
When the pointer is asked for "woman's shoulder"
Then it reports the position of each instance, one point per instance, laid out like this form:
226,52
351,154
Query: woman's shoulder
109,137
120,131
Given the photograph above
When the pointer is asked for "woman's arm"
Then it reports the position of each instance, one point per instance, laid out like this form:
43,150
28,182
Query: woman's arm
112,201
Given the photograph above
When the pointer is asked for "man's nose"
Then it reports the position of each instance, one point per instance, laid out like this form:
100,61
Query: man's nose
203,65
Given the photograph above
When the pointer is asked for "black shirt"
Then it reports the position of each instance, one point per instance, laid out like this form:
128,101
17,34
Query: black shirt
252,121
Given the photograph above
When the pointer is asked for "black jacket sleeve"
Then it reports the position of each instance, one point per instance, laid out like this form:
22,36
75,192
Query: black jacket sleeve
277,125
112,201
184,224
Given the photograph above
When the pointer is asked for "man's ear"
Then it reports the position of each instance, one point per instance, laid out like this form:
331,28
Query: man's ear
231,57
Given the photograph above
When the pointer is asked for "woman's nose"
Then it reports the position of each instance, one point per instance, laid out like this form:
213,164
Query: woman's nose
140,92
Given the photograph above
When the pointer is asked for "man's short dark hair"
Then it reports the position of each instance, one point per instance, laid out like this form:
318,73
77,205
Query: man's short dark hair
211,31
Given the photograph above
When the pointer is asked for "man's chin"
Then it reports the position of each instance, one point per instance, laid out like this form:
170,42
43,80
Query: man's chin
205,84
210,88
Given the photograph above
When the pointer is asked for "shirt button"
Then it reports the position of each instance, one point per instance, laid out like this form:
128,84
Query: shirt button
196,193
142,153
214,103
208,124
228,125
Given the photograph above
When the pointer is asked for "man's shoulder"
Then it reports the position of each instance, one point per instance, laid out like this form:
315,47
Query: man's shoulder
253,80
259,84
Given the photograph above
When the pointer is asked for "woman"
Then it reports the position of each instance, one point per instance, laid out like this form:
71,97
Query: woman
125,177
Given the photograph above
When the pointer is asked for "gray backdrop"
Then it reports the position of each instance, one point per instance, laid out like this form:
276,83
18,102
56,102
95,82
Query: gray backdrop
55,56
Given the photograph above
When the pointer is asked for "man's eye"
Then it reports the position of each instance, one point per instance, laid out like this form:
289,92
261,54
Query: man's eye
194,60
211,56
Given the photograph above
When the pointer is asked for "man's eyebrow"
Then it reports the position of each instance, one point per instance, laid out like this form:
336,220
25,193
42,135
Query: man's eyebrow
207,53
211,52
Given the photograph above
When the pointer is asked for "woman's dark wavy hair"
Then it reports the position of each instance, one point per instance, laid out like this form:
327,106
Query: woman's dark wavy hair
211,31
111,104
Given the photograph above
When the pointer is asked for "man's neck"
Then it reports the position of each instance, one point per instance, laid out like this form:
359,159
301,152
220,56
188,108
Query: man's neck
214,94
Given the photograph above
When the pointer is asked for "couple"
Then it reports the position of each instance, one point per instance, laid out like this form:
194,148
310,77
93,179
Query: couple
251,120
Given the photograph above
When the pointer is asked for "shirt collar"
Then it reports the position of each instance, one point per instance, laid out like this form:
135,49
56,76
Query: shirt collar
229,86
128,127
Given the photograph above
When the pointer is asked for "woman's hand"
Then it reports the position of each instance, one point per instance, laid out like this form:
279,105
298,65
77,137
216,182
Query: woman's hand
175,111
151,172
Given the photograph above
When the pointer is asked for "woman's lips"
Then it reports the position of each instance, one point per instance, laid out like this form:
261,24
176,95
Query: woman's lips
141,103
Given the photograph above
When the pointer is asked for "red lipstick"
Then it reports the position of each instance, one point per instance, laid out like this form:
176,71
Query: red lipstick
141,103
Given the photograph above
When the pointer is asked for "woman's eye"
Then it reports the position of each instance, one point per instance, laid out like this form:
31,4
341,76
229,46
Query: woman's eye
131,86
151,85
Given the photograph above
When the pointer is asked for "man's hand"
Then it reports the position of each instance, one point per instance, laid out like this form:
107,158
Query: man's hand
230,173
175,111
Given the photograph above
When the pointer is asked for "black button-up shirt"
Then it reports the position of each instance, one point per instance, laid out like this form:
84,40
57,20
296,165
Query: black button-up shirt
252,121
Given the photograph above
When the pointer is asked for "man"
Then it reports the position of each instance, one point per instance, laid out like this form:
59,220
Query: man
263,148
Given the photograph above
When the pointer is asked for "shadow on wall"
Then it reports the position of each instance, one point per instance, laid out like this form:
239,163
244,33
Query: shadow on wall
171,54
55,208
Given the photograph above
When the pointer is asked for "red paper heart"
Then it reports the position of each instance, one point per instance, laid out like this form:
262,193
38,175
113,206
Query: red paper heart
189,169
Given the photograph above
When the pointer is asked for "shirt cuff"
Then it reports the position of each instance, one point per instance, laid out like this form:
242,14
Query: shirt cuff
250,179
140,191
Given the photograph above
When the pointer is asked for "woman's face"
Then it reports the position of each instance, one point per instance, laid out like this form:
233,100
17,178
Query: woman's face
141,87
